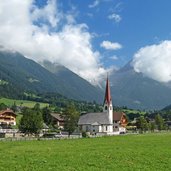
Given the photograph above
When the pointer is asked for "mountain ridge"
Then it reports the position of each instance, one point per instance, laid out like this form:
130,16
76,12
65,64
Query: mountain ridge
19,75
135,90
26,75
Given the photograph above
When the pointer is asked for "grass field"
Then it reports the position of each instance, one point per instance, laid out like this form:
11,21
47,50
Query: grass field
130,152
26,103
128,111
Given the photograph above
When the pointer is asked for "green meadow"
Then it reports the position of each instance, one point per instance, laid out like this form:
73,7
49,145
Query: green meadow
25,103
127,152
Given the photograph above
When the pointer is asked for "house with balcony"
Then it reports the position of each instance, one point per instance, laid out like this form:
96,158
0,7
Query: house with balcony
7,117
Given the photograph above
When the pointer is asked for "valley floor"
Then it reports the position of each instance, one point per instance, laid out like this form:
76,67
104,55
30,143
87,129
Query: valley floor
128,152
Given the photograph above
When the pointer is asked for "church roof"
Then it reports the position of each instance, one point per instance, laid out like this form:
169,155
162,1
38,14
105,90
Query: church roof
92,118
108,97
95,124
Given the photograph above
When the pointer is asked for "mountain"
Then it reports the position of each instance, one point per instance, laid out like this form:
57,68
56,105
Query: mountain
19,75
167,108
134,90
75,82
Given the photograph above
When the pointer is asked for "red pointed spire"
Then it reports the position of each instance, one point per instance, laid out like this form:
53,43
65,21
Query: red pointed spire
108,98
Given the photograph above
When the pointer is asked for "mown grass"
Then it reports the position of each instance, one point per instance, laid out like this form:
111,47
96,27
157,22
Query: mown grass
128,111
25,103
130,152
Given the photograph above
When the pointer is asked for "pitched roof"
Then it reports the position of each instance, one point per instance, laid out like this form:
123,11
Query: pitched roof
92,118
57,116
7,111
117,116
107,98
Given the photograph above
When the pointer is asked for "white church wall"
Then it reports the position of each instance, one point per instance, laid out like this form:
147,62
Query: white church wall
86,128
116,126
95,128
110,128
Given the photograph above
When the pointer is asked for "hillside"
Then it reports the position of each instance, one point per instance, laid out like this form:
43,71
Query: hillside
137,91
25,103
19,75
74,82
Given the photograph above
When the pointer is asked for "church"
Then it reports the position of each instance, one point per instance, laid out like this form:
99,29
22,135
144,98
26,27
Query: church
103,122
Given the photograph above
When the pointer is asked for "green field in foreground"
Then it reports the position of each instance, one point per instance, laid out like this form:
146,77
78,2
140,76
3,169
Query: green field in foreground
130,152
26,103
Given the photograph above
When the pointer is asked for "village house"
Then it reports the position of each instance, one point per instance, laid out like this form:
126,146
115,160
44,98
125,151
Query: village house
120,122
7,117
105,122
57,120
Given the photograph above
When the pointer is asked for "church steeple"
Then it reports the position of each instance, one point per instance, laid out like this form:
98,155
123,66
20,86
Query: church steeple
107,106
107,98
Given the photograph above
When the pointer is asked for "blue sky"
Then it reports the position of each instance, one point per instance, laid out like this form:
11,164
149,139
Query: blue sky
142,23
91,37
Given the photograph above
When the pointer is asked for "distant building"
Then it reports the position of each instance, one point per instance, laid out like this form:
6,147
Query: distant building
119,122
57,120
7,117
104,122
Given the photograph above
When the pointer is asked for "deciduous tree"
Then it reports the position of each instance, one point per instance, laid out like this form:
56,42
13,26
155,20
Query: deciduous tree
31,122
71,116
142,124
159,122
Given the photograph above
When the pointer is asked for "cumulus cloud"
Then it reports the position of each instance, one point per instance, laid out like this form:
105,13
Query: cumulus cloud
47,33
111,45
154,61
47,14
116,17
94,4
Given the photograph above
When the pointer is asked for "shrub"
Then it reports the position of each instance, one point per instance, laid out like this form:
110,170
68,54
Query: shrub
84,134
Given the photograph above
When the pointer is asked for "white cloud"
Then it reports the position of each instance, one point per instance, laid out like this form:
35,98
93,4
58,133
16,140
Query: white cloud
116,17
154,61
47,14
31,30
94,4
111,45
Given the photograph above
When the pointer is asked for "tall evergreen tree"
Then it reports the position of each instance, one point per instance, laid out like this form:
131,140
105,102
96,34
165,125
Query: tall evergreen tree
3,106
46,115
36,107
14,107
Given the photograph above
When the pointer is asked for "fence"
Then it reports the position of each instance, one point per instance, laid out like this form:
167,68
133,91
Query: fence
39,138
8,130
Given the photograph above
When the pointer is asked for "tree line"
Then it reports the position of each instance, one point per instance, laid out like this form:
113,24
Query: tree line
33,119
144,124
